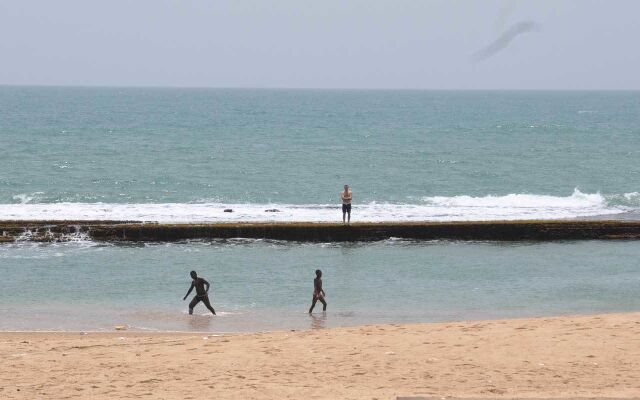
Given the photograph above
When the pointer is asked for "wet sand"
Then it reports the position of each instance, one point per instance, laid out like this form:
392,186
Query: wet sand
572,356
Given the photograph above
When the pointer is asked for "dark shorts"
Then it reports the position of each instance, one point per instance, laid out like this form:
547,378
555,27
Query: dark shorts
346,208
200,298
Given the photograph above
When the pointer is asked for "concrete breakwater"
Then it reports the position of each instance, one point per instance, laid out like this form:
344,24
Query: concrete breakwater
131,231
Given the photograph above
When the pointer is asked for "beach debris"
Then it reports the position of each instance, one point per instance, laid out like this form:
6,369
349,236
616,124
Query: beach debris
272,210
228,210
390,353
120,327
122,338
205,338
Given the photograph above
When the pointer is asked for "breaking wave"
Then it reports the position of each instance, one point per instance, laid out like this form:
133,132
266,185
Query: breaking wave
437,208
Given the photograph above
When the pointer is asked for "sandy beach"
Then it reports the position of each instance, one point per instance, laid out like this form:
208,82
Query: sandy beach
572,356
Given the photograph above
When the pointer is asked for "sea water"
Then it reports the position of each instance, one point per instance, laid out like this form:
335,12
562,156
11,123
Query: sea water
185,155
266,285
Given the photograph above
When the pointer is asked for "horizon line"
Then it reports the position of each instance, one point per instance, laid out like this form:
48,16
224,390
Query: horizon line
90,86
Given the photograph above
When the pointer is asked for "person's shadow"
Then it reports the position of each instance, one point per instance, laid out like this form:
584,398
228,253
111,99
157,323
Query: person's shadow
318,321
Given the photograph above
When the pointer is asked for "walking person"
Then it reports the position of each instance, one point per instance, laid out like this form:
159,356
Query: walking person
346,197
318,292
202,293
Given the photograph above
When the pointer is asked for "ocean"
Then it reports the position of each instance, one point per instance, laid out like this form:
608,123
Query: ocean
185,155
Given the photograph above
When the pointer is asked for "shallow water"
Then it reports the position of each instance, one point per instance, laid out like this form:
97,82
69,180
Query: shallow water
260,285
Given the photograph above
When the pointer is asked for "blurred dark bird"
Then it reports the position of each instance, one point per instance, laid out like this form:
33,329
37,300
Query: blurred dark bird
505,39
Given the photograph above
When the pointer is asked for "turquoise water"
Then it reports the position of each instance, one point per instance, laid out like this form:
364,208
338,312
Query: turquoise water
441,153
187,154
267,285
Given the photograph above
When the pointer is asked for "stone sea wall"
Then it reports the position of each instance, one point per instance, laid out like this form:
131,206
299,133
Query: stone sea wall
115,231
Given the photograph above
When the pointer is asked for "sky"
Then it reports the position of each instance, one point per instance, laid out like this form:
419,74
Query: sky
404,44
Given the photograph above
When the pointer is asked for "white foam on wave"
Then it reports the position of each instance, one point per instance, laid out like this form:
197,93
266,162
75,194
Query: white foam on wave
577,200
437,208
24,198
78,236
527,206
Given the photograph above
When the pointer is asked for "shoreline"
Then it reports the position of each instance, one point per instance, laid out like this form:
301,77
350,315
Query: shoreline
132,330
141,333
564,357
133,231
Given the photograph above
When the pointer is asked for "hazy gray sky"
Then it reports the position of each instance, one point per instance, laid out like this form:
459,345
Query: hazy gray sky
576,44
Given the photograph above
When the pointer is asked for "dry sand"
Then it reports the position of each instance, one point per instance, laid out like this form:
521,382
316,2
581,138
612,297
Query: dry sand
583,356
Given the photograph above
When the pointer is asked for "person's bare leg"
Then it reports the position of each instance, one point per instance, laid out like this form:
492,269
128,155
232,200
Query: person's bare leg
344,214
324,304
349,220
208,305
313,304
193,303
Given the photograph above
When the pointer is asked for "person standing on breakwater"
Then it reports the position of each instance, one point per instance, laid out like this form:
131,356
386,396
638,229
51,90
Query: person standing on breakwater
346,197
202,294
318,292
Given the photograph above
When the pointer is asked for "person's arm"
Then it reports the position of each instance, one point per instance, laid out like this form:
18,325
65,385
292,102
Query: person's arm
349,195
321,289
190,289
206,290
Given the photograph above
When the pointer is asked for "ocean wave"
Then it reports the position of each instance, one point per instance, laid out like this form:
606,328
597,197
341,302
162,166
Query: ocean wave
577,200
436,208
26,198
627,200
